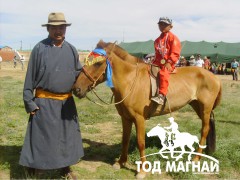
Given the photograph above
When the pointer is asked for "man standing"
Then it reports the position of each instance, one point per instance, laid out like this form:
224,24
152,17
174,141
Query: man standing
207,63
183,62
167,52
22,62
15,61
234,66
199,62
191,61
53,138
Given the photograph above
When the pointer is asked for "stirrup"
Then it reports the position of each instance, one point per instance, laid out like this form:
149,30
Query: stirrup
158,99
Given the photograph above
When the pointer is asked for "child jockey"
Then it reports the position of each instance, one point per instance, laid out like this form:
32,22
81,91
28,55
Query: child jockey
167,52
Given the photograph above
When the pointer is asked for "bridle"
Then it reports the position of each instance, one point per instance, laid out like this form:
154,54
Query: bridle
92,87
88,75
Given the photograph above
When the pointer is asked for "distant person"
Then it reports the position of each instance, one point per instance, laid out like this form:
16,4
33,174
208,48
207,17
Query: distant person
207,63
22,62
167,52
0,62
15,61
182,62
223,68
234,67
53,138
191,61
214,68
199,61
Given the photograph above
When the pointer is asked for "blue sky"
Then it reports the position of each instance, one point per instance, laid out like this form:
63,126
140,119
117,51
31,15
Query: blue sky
125,20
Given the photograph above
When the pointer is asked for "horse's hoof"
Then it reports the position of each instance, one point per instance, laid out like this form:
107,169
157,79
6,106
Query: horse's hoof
195,159
141,175
116,166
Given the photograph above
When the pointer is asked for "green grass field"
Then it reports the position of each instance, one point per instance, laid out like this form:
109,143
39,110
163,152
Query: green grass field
101,132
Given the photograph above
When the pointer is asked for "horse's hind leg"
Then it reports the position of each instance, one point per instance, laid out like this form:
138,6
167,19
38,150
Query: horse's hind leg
203,113
127,128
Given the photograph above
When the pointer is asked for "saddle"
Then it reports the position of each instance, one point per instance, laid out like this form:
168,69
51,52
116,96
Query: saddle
154,77
155,80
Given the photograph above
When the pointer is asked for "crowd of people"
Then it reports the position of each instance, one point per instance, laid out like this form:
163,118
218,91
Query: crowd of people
198,61
216,68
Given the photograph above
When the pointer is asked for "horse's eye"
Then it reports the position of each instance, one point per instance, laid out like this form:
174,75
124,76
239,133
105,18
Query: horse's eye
97,64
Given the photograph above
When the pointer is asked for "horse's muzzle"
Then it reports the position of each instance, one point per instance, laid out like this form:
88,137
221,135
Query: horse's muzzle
78,93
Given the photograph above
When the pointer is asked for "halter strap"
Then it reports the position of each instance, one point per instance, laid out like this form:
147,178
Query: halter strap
90,77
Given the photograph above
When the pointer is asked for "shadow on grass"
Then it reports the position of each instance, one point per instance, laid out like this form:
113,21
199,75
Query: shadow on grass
9,157
98,151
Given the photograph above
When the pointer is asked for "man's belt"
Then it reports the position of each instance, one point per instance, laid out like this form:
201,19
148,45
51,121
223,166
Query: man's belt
40,93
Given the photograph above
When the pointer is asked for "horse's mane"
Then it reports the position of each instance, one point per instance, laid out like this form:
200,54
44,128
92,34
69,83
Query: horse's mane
117,50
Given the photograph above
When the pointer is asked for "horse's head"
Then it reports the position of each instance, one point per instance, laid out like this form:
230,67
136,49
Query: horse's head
156,131
93,72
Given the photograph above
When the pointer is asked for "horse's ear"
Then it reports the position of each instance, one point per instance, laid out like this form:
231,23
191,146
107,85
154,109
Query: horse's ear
101,44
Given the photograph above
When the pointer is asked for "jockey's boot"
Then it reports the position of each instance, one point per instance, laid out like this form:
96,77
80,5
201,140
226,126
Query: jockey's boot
158,99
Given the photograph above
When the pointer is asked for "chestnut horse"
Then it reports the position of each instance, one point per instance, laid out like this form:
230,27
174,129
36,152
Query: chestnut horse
130,75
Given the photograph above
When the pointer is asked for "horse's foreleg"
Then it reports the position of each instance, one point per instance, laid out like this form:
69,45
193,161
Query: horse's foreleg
140,131
127,128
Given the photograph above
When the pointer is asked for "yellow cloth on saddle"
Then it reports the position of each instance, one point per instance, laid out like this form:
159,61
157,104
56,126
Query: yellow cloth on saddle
45,94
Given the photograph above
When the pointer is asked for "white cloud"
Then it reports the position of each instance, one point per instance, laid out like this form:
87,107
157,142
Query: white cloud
131,20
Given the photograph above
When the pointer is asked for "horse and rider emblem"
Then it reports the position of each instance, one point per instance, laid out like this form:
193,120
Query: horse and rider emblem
171,138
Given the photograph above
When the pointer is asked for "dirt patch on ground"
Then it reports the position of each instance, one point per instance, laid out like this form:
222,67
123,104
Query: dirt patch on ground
90,165
104,131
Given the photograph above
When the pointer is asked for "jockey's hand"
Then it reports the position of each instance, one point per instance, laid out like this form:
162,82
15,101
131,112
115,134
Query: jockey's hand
33,112
168,67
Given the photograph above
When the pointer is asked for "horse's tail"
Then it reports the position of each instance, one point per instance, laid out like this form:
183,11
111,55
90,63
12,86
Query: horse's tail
211,138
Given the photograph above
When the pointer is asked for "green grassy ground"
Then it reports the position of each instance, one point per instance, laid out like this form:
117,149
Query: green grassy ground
101,132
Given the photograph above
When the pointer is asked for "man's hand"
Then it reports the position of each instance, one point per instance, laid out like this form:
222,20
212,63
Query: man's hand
168,67
33,112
